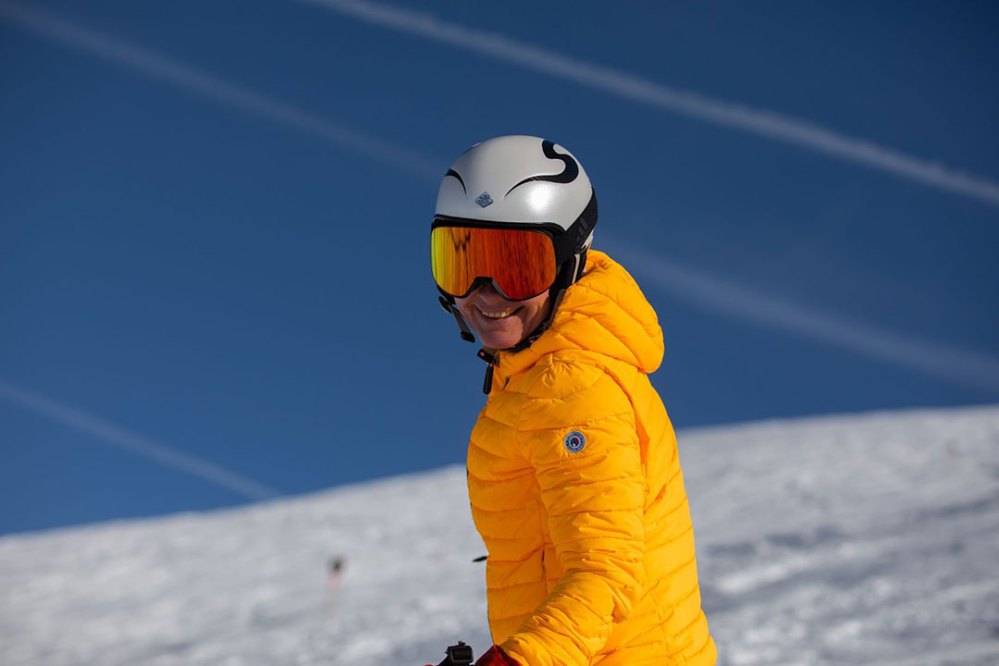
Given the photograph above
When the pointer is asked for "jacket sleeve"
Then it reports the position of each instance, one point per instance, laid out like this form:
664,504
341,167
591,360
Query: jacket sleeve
587,460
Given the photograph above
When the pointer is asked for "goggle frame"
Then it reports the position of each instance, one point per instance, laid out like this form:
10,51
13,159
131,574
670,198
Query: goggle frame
561,241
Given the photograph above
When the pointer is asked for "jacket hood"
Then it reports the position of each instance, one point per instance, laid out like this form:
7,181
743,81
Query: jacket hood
605,313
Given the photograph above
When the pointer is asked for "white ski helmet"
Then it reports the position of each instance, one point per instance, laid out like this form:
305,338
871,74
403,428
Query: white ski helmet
519,179
528,181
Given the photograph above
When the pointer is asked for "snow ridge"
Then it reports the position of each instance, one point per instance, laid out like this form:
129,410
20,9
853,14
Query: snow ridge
857,539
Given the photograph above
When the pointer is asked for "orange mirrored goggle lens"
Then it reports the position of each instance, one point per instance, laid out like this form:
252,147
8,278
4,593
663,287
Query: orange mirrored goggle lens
520,262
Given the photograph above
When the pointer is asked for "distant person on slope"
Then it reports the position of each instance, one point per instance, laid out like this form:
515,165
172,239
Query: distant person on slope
573,474
334,578
335,569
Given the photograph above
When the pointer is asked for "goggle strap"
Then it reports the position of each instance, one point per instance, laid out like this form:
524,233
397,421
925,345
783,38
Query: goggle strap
466,333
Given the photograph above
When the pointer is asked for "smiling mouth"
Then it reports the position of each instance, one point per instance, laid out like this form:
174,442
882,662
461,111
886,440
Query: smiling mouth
498,314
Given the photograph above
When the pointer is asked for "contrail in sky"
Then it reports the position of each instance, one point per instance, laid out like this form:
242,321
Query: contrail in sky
120,438
704,291
621,84
206,85
707,292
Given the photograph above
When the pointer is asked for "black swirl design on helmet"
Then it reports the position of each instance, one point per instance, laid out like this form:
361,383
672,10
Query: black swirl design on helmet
452,172
569,173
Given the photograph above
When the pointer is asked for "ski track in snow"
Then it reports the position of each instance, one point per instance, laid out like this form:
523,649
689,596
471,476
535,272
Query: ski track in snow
869,539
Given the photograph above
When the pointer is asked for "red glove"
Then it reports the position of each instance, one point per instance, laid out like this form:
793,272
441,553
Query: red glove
495,656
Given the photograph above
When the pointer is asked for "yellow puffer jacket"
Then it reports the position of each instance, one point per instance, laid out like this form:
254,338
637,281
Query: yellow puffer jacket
576,489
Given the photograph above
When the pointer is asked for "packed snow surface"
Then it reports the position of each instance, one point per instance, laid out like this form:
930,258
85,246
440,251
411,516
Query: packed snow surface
868,539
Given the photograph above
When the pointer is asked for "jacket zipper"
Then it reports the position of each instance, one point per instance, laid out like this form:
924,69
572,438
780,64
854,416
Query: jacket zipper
491,362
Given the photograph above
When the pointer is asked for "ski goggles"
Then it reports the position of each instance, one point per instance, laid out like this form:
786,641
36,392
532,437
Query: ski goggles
520,262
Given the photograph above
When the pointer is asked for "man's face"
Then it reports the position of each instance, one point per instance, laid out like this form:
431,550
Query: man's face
499,323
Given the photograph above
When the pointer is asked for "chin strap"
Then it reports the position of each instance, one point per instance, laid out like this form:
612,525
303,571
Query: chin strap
466,333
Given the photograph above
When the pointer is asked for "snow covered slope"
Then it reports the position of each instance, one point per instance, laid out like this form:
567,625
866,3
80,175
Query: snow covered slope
849,540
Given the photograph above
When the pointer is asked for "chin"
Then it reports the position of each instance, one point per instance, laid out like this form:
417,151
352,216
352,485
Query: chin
499,341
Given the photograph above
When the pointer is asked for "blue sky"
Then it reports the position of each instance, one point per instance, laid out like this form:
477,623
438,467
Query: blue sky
213,224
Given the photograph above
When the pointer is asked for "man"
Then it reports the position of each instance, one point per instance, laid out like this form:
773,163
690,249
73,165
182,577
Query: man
573,473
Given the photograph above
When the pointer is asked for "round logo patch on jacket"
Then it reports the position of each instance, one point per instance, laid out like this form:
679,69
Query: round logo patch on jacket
574,441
